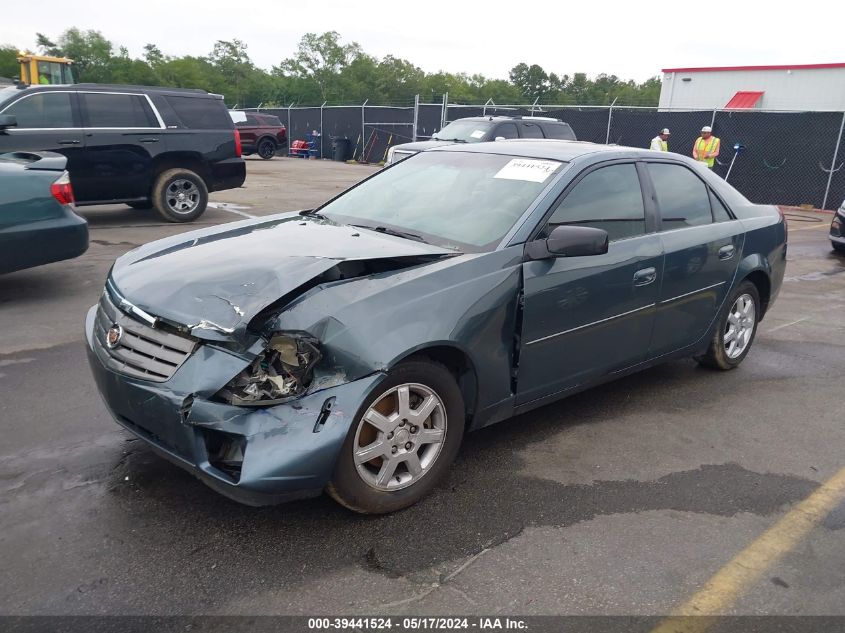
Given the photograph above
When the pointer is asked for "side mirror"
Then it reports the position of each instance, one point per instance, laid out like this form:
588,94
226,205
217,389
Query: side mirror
569,241
7,120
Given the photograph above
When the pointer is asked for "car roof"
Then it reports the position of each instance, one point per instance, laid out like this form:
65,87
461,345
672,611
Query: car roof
502,117
119,88
549,149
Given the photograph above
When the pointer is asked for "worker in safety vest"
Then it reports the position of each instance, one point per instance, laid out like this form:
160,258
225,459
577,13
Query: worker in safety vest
660,142
706,147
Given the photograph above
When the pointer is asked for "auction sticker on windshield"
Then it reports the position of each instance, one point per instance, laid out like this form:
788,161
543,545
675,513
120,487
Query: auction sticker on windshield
477,134
528,170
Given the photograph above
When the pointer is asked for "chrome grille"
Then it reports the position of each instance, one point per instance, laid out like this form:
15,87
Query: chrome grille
142,351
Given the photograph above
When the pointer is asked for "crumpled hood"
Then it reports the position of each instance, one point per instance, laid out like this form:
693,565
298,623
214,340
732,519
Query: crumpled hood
214,281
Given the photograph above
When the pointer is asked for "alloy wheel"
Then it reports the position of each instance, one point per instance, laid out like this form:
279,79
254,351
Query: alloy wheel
740,326
183,196
400,437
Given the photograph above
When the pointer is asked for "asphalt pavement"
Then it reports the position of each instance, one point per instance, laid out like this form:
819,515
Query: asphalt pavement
625,499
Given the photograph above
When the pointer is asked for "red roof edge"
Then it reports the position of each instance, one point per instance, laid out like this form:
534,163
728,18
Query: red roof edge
786,67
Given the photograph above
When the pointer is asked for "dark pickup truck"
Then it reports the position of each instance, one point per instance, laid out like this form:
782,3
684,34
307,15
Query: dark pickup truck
139,145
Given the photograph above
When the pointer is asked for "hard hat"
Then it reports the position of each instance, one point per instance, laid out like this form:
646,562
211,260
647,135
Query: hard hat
707,128
665,131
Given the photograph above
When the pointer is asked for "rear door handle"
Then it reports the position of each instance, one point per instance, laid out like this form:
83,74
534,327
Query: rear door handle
67,142
726,252
148,140
645,276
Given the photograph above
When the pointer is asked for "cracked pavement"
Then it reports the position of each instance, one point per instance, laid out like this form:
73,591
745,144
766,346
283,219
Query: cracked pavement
620,500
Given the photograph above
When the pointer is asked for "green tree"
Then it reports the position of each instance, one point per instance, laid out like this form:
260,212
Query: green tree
47,46
320,58
91,54
532,81
9,66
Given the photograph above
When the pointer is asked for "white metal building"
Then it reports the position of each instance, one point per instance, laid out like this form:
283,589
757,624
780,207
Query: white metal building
801,87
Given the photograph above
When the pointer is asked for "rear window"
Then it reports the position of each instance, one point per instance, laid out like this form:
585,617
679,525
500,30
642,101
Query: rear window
560,131
201,113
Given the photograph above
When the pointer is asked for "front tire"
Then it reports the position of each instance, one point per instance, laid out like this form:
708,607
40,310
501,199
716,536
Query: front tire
736,329
839,248
179,195
266,149
403,440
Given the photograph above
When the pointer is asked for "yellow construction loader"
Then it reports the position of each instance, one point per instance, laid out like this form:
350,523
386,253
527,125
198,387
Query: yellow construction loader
42,69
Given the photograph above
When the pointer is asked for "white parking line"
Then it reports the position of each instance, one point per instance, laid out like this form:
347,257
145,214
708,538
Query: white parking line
231,208
775,329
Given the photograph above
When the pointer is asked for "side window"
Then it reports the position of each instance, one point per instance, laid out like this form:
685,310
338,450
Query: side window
720,213
608,198
116,110
560,131
253,121
43,110
506,130
530,130
681,195
201,113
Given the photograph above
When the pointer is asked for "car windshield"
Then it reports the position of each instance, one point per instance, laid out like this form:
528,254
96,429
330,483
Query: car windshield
465,201
466,131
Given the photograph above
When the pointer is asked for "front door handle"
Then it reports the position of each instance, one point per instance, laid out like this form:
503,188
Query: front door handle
645,276
148,140
67,142
726,252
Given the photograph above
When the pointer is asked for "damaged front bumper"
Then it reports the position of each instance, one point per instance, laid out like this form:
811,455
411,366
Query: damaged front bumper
257,456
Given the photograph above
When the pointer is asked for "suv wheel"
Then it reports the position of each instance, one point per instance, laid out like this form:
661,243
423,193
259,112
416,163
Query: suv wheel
180,195
266,149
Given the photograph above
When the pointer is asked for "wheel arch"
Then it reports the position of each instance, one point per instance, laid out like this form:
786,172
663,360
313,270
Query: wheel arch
181,160
763,283
459,363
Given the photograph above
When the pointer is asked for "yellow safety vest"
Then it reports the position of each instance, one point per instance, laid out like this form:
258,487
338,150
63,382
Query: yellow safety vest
705,147
664,145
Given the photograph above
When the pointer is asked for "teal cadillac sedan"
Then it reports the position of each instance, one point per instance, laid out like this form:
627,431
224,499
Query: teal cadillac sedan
38,223
348,349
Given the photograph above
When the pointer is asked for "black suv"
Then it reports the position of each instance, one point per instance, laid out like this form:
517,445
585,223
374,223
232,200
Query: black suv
138,145
477,129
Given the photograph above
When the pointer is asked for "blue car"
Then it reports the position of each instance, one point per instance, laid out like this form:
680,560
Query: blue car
348,349
38,224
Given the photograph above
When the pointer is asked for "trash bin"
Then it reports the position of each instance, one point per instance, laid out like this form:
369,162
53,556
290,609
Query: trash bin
340,148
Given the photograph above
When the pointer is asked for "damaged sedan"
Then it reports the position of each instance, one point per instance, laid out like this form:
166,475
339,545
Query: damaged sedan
349,349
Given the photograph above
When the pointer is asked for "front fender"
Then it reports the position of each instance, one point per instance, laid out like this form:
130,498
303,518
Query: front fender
467,302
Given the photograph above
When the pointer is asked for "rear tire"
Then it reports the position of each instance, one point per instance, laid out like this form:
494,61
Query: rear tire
419,418
735,330
179,195
266,149
839,248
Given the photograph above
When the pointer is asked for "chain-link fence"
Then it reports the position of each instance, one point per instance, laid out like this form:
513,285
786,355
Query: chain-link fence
788,158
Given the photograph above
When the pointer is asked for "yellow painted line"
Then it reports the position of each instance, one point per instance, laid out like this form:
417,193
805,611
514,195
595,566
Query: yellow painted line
820,225
734,579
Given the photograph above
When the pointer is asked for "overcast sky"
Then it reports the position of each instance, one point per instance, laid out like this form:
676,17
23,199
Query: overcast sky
633,40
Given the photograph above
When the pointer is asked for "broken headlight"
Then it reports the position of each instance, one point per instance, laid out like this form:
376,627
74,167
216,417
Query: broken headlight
281,372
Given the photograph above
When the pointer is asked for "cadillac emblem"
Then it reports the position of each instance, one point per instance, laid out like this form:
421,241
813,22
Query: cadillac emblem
113,336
